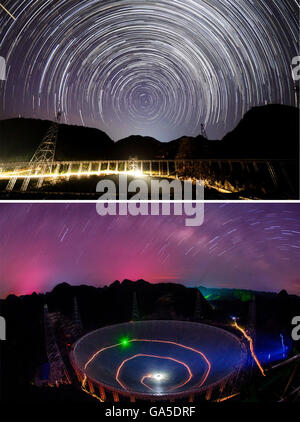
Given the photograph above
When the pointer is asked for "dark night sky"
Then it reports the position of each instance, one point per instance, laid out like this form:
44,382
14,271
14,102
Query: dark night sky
158,68
255,246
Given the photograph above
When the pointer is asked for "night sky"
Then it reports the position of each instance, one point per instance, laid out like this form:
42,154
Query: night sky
158,68
253,246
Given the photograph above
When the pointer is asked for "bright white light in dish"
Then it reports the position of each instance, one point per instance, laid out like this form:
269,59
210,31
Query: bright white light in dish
158,376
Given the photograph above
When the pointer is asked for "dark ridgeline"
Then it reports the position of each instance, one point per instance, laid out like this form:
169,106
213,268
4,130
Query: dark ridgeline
264,132
259,159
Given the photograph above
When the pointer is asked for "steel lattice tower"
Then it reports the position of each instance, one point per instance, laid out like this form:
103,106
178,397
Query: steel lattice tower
252,317
58,372
198,313
77,318
43,158
296,90
205,141
135,316
203,131
133,166
252,324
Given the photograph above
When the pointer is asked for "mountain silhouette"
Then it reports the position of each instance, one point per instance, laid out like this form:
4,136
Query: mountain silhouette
270,131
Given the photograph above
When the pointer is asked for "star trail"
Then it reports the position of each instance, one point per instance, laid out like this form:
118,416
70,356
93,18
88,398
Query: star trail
252,246
7,11
158,68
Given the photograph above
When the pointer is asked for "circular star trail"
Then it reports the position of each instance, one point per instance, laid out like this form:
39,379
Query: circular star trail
158,68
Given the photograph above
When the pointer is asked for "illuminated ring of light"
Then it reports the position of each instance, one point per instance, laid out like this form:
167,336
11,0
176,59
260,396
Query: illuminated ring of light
148,376
96,354
21,174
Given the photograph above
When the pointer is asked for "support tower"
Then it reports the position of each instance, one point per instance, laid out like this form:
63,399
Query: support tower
42,160
58,372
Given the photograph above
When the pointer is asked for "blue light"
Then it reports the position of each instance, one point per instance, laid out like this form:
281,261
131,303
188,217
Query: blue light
284,348
272,347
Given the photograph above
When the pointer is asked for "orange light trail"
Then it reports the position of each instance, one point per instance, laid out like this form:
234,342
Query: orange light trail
235,324
150,376
96,354
23,174
91,394
227,398
143,378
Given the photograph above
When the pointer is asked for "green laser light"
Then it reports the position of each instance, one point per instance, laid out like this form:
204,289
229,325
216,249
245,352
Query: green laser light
125,342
